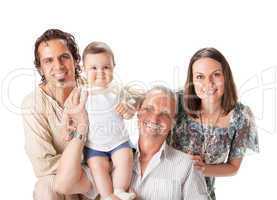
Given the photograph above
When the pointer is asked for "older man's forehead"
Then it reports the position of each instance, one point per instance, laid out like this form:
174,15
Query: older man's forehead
160,99
156,94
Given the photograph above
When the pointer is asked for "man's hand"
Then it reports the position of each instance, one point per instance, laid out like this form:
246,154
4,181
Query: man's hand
75,116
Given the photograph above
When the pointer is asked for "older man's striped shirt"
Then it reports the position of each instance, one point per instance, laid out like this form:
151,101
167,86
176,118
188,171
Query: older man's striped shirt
168,176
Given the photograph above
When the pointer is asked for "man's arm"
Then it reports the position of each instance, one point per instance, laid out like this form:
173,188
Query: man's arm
70,177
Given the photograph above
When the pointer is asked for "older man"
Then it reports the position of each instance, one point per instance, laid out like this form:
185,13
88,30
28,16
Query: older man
160,172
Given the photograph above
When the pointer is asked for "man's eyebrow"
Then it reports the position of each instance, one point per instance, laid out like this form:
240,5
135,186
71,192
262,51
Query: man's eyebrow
65,53
46,58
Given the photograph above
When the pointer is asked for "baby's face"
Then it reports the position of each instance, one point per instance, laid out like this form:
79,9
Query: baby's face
99,69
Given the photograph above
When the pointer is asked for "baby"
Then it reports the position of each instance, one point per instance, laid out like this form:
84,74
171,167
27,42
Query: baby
108,140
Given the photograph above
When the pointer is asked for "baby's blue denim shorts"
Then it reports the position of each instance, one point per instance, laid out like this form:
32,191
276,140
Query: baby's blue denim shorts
89,152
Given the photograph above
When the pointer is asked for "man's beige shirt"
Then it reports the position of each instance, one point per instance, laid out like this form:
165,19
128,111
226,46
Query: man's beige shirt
42,126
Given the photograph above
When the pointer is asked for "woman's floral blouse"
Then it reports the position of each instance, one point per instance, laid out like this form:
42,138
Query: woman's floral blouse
215,144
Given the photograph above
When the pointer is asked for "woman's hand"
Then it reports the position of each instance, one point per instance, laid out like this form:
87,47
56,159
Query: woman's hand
75,116
198,163
133,191
125,111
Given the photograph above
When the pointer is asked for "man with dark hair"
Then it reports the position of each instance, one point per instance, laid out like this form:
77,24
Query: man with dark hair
70,43
57,61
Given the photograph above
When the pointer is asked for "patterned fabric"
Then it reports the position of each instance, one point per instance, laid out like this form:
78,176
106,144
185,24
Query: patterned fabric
215,144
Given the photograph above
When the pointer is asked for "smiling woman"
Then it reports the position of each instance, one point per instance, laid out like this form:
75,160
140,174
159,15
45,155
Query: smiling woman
211,125
208,79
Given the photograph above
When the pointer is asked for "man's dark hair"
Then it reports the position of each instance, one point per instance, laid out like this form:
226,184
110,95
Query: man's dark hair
69,39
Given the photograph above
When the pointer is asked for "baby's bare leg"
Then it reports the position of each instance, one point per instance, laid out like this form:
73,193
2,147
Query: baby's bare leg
123,165
100,168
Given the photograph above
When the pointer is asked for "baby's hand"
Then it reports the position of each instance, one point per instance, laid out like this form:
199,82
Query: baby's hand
125,111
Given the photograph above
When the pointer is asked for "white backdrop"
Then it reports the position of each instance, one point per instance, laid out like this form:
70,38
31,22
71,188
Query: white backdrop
152,41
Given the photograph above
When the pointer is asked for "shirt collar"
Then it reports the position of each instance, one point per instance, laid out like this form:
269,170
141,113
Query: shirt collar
162,153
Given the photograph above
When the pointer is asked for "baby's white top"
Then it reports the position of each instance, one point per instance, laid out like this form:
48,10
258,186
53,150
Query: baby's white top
106,127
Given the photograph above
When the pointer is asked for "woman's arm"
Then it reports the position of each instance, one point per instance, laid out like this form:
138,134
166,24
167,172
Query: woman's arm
194,186
227,169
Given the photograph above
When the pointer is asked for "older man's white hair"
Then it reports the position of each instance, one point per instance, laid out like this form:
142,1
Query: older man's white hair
160,88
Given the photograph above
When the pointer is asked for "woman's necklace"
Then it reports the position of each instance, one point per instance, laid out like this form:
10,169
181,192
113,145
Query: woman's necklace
208,138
